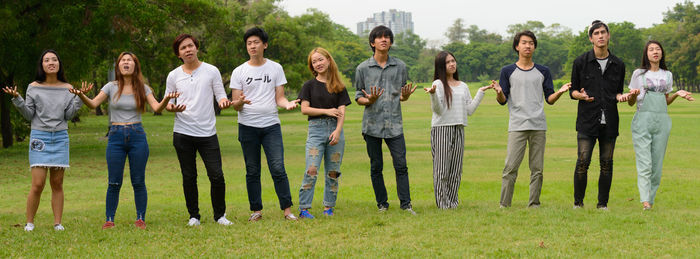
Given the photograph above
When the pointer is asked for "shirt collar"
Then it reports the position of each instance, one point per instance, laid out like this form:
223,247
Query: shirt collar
390,61
590,56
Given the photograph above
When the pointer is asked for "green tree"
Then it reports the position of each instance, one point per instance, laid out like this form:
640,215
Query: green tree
457,32
474,34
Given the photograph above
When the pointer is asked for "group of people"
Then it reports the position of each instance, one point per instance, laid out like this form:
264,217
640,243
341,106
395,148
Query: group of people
257,90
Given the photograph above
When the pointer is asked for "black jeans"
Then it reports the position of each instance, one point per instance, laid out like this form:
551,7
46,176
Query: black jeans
208,148
585,148
270,138
397,147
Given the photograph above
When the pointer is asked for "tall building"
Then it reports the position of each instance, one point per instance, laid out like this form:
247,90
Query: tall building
397,21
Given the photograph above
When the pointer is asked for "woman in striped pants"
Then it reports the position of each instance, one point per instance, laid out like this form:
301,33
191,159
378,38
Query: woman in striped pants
451,104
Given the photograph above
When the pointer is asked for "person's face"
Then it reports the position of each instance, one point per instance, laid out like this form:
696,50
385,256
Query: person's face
382,43
127,65
50,63
526,46
255,46
320,63
188,51
654,53
600,37
450,65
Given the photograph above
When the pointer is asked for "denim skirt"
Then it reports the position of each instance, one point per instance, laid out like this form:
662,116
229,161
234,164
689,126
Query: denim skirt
48,149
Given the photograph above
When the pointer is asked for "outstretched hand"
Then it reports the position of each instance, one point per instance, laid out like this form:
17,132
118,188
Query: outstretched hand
224,103
406,91
374,94
291,105
171,95
241,100
565,87
176,108
85,87
584,96
430,90
11,91
685,95
487,87
496,87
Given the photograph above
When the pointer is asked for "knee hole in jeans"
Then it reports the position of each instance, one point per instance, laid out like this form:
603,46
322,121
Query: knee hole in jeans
335,157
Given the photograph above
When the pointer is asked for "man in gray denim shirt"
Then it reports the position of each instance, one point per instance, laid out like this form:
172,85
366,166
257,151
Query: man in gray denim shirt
381,86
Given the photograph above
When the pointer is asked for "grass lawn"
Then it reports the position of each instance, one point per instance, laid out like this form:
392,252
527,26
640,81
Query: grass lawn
477,228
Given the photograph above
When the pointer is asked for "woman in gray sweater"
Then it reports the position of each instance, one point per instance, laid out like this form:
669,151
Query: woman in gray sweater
48,105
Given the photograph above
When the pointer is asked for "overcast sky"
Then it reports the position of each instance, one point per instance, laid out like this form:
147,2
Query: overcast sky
432,18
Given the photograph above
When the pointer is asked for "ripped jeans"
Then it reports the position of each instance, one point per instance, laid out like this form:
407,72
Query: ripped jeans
126,141
606,148
317,147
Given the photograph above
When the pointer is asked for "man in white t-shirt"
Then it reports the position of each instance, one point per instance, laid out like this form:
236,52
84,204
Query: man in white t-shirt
194,129
257,89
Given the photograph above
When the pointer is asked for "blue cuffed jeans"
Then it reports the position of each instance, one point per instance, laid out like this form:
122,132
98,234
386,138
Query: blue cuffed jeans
318,147
127,141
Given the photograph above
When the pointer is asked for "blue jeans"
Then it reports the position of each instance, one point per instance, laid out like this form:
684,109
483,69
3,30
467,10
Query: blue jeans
397,148
127,140
318,147
270,139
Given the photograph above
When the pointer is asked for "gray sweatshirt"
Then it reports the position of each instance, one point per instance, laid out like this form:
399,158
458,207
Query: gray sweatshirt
48,108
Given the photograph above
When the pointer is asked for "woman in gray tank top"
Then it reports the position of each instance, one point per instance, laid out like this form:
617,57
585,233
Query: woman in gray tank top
127,98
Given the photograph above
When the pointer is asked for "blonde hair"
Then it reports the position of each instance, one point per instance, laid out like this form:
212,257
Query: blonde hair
333,83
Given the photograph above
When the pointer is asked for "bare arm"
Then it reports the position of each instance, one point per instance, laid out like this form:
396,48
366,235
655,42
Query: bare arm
555,96
307,110
282,101
335,136
680,93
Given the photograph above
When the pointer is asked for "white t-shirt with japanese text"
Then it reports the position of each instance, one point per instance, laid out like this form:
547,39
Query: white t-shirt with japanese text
258,84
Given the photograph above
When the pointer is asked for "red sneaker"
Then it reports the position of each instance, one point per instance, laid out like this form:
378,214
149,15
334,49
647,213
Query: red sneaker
108,224
140,224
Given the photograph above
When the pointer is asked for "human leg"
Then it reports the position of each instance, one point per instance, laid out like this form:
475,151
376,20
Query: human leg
536,140
374,151
186,155
585,149
517,141
397,148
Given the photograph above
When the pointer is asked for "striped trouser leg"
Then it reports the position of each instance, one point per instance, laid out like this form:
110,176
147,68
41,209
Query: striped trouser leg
447,146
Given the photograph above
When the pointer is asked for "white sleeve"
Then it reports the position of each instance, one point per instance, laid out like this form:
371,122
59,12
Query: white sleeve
636,80
437,99
281,79
170,86
670,82
472,104
235,83
218,85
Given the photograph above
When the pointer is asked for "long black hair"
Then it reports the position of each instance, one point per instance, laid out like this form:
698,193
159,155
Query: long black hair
41,74
646,64
441,73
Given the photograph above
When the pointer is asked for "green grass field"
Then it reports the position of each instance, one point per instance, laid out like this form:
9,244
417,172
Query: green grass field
478,228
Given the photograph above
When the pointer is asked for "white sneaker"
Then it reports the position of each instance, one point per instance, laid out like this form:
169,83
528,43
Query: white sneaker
224,221
58,227
29,227
193,222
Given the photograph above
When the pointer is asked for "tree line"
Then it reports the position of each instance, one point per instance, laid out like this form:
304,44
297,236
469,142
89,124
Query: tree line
90,34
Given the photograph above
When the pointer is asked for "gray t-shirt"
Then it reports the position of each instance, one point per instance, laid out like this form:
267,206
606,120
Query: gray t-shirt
48,107
122,110
524,91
